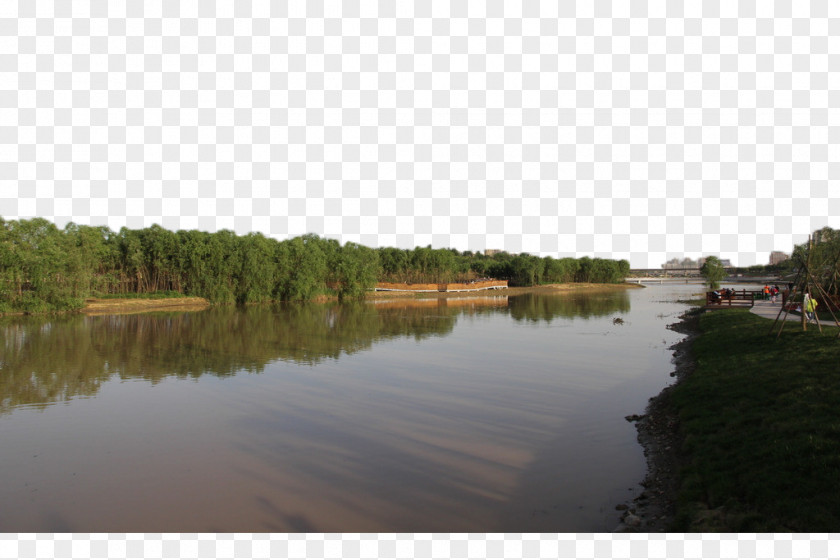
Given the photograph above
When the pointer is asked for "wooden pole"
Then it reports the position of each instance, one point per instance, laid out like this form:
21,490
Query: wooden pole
828,306
805,289
785,307
816,317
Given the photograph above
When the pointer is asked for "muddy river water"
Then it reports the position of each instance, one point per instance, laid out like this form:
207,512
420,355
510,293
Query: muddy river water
484,414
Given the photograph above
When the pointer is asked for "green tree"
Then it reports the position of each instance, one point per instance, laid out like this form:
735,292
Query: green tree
584,272
258,275
94,252
223,267
39,267
191,258
134,275
526,270
303,266
713,271
623,269
479,266
355,270
393,263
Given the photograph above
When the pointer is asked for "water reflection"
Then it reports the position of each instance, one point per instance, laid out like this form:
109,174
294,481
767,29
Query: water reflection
538,307
458,414
47,360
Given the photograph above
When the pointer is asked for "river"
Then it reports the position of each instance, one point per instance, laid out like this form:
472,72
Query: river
480,414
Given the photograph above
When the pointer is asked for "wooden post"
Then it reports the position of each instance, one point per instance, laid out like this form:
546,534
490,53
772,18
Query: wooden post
805,291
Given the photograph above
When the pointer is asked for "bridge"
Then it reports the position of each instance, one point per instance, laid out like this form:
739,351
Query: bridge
690,276
667,272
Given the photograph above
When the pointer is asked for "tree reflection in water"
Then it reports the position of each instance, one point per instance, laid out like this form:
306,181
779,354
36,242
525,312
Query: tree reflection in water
538,307
53,359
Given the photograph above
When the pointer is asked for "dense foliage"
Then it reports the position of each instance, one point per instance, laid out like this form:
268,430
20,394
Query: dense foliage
44,268
424,264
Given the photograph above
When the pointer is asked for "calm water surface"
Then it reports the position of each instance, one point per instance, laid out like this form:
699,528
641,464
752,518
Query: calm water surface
480,414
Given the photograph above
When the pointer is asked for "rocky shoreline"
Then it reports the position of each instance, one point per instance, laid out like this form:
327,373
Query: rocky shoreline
653,510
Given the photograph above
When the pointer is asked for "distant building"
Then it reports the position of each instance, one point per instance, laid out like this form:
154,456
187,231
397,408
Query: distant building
491,252
684,263
726,263
777,257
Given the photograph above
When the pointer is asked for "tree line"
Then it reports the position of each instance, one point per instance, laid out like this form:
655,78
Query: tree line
424,264
46,268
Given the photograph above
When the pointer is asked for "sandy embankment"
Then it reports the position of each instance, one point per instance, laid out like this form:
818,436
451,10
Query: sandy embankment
543,289
96,306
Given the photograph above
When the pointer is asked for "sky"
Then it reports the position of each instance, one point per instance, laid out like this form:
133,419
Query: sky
643,132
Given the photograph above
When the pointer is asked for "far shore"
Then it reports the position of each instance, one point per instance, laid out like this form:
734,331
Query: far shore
95,306
547,289
107,306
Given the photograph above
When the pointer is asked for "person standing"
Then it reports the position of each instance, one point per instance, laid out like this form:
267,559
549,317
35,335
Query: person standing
809,305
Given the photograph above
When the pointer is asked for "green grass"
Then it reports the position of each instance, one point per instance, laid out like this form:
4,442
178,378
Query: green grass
760,418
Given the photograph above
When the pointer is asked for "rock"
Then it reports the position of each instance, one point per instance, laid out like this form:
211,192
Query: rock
632,521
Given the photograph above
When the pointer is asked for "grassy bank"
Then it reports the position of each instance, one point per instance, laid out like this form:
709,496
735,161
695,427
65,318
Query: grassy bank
759,420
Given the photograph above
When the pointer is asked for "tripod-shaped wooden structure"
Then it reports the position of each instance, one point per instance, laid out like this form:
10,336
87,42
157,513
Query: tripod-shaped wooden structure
806,283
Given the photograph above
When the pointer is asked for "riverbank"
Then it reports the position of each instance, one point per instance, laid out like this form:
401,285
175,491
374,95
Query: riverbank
103,306
654,510
549,289
747,438
107,306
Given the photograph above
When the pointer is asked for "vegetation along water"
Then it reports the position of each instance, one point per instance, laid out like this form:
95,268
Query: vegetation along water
44,268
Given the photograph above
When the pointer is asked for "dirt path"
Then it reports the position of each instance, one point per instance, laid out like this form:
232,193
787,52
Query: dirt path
770,310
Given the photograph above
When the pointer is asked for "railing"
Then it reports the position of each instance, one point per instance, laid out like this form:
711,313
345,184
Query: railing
731,298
